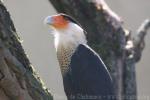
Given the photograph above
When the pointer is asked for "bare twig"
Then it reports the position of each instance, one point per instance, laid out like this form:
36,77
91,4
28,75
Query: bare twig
138,40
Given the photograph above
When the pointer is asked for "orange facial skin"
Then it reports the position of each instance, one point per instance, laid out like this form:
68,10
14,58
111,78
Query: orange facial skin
59,22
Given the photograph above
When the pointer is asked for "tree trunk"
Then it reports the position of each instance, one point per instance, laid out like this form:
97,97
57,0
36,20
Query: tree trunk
18,81
110,40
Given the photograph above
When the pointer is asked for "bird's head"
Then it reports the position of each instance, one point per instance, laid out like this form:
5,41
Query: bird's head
60,21
66,28
57,21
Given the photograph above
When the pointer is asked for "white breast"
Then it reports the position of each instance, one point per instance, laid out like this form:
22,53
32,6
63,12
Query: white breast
66,42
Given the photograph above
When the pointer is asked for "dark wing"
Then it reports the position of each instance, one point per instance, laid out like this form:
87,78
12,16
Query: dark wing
88,76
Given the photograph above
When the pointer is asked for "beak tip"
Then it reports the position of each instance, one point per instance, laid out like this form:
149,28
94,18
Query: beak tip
48,20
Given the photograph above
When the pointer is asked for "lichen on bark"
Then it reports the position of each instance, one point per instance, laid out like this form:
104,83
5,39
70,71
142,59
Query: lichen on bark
18,80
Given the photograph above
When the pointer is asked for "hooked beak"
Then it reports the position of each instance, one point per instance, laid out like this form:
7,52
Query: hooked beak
48,20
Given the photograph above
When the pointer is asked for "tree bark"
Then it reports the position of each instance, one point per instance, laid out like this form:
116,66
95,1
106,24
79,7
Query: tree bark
110,40
18,80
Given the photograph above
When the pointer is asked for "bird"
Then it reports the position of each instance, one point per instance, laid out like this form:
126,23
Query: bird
85,76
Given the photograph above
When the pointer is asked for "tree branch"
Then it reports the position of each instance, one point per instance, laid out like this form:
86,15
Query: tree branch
109,39
18,81
138,39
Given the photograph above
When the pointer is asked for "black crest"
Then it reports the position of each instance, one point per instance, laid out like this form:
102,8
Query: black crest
71,19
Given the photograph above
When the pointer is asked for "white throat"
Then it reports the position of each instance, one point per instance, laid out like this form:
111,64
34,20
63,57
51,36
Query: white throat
72,35
66,42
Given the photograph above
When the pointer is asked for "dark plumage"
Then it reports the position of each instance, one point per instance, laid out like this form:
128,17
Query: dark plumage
87,76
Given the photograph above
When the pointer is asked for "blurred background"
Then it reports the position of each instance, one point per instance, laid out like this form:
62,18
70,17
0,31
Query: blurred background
28,16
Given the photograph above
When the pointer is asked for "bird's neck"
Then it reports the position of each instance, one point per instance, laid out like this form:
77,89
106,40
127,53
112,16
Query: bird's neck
64,54
73,34
66,43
